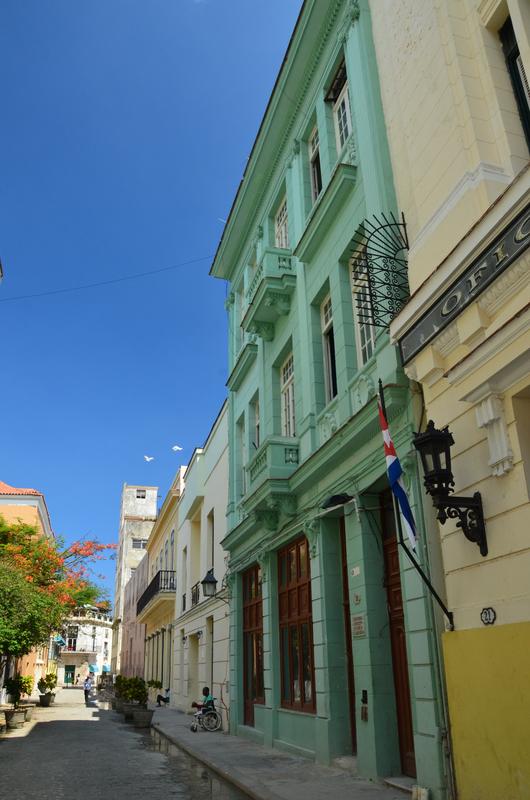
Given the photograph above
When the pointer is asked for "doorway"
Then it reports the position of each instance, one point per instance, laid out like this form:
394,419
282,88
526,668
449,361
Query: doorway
253,691
193,668
347,635
69,674
392,582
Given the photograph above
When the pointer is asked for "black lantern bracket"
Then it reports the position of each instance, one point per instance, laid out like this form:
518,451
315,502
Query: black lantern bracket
468,511
434,447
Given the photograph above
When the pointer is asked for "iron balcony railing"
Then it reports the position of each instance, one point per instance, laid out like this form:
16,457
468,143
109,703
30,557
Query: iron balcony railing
195,594
164,581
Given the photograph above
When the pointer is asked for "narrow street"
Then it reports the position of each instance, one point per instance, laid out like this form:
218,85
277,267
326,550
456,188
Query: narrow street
74,752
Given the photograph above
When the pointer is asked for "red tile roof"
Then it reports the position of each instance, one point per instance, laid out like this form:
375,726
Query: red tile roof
5,488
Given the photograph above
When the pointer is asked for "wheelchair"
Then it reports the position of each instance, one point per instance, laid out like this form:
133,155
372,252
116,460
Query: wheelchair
206,717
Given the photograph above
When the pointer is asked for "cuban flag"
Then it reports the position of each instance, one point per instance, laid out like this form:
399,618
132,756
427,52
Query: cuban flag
394,471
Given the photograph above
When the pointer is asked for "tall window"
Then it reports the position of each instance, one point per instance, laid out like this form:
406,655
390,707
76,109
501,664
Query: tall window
253,689
166,555
339,97
256,421
242,454
140,494
210,532
520,81
328,347
287,396
314,164
172,545
296,627
281,233
365,331
240,334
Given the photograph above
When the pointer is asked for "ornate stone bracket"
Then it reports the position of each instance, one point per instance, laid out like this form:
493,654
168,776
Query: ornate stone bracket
263,561
312,530
353,13
490,415
279,301
265,330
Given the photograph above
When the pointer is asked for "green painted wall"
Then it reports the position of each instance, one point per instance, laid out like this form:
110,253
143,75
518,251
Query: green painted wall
277,489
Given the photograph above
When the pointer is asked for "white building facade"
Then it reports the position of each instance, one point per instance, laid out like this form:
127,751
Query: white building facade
88,644
202,623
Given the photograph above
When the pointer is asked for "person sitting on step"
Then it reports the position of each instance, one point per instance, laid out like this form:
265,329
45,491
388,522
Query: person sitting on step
160,698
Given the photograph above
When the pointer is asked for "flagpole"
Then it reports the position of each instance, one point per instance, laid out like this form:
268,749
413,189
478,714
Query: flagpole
397,514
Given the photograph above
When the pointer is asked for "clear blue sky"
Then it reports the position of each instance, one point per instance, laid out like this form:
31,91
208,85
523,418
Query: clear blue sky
126,125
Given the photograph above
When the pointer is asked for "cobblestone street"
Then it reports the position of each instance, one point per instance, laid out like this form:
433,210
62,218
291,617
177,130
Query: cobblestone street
74,752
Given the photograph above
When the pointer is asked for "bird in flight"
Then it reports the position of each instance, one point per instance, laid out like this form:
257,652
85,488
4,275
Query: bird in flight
149,458
176,448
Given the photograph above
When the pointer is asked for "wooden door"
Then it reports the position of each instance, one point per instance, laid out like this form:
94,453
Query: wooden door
397,636
253,691
347,635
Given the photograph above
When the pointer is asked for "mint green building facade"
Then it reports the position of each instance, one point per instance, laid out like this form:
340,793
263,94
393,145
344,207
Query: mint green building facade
334,639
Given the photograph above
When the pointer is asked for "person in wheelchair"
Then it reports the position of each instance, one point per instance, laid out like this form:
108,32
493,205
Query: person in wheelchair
207,701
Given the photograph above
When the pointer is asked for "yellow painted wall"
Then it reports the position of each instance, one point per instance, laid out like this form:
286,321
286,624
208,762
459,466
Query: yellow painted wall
488,687
26,513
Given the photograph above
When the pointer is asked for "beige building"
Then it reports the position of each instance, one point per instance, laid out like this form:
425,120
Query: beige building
137,516
454,82
155,607
201,626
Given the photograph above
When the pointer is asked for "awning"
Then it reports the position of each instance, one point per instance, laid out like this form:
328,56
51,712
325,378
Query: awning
93,668
106,668
59,640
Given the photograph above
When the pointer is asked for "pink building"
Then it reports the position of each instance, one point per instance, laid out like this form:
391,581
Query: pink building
133,633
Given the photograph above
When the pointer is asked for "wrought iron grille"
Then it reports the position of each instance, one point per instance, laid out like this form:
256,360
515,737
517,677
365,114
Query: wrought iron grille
379,269
164,581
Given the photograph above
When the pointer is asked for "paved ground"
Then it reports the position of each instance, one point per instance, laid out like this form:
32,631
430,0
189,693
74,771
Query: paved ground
74,752
266,774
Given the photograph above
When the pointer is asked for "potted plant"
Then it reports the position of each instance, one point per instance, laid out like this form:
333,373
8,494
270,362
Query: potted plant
119,691
142,716
17,686
132,691
26,685
51,683
45,687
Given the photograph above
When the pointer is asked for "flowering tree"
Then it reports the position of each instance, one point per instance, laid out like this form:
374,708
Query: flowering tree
41,581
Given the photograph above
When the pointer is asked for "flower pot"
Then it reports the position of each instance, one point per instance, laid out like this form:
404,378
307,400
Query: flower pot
45,699
128,710
28,710
14,718
119,705
113,704
142,717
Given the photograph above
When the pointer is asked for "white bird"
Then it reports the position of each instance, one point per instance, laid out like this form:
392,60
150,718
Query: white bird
176,448
149,458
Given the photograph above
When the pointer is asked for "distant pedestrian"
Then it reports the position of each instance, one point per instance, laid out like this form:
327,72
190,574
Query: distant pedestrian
77,679
161,699
87,686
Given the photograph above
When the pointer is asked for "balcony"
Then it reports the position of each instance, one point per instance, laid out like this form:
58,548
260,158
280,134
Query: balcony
276,459
195,594
269,295
161,591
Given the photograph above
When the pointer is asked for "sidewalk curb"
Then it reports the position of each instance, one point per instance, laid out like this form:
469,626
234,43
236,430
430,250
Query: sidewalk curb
226,776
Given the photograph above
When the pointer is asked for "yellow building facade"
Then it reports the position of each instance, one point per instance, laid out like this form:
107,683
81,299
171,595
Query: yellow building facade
454,82
156,600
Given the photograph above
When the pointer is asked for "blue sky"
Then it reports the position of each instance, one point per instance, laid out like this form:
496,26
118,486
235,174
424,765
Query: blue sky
126,126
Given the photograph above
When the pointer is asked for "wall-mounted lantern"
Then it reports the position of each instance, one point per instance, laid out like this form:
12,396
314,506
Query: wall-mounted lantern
209,584
434,447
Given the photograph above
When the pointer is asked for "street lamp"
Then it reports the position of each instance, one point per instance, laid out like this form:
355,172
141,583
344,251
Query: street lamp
209,584
434,447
